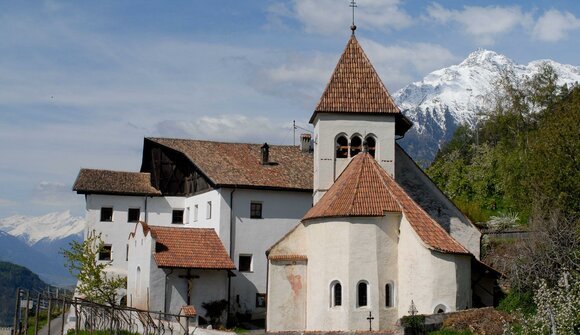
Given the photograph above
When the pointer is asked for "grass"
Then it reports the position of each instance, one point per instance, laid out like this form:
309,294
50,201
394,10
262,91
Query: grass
42,320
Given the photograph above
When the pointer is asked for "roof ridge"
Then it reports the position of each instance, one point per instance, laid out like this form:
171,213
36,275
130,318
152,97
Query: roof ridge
384,173
155,139
357,184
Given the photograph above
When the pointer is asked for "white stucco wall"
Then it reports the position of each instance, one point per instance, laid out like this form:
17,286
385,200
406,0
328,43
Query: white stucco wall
140,257
116,232
343,250
287,286
432,278
281,211
326,128
350,251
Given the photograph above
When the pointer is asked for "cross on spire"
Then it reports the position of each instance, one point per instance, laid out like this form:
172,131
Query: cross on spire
353,5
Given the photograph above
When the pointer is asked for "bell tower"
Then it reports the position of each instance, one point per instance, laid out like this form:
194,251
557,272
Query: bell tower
355,113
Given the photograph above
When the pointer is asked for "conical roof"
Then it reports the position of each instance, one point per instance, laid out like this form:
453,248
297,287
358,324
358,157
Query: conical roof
355,86
364,188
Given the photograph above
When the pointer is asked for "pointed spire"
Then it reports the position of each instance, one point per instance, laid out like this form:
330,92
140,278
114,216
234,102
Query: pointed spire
355,86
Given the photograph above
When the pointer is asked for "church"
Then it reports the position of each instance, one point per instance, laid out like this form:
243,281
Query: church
315,237
376,243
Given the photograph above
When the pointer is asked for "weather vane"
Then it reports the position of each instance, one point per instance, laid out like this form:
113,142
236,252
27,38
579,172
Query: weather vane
353,5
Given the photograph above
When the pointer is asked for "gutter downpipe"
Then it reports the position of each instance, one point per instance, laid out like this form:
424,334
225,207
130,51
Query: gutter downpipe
165,291
232,245
146,209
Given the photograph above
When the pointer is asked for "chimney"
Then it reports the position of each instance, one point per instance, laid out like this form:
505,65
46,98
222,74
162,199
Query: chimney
265,154
305,142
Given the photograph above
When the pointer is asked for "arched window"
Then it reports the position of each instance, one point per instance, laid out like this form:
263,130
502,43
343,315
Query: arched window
371,145
341,147
362,294
355,145
389,301
336,294
440,309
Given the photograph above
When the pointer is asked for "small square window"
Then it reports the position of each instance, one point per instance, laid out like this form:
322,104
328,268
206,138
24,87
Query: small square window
195,212
106,214
245,263
255,210
105,253
177,216
208,213
133,214
260,299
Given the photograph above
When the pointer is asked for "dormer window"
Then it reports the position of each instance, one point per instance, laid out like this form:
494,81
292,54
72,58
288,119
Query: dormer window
371,145
355,145
341,147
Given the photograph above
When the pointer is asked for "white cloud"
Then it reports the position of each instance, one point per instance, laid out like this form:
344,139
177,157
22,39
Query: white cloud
300,77
485,24
398,65
554,25
330,16
7,203
55,194
230,128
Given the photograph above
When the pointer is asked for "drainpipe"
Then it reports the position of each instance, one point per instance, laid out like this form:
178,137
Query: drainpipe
165,291
146,209
232,245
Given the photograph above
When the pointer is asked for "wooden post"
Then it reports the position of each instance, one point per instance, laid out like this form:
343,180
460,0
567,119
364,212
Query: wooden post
26,312
159,324
37,310
63,315
49,314
76,316
15,329
111,321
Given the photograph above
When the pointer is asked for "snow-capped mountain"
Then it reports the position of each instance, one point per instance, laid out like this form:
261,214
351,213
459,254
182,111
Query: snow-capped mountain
49,227
36,243
454,95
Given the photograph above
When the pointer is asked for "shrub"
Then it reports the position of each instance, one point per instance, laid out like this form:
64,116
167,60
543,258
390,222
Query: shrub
518,302
214,311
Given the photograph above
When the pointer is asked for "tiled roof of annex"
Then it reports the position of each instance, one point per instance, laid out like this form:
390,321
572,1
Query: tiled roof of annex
194,248
240,164
355,86
364,188
114,182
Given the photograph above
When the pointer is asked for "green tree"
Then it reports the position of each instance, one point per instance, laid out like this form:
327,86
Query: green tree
94,283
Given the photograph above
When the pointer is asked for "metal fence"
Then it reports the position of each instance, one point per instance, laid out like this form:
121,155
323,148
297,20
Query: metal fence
72,315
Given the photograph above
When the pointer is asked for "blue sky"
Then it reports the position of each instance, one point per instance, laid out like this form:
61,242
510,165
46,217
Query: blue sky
83,82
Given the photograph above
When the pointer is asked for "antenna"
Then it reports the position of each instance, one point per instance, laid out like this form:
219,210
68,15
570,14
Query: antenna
353,6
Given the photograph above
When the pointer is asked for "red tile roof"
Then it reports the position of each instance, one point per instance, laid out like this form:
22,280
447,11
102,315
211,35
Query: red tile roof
92,181
195,248
188,310
355,86
239,164
288,258
364,188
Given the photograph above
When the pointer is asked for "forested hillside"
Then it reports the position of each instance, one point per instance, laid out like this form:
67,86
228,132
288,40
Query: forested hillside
523,156
13,276
520,168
